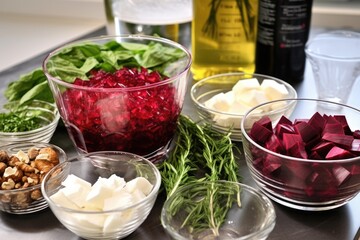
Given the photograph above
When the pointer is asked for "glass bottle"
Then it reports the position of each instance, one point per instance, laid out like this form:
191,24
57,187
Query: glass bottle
223,36
283,30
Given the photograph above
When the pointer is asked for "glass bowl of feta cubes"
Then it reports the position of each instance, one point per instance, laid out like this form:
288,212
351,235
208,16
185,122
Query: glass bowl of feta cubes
102,195
222,100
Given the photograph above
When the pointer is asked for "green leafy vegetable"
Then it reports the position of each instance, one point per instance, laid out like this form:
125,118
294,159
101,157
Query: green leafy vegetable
201,154
19,119
77,62
29,86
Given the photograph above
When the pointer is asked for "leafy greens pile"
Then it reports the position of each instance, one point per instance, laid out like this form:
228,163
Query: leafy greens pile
77,62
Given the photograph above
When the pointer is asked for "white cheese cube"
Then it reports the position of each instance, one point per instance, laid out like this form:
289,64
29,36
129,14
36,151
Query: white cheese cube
60,199
139,183
88,224
239,107
116,182
253,98
115,222
219,102
98,193
76,194
274,90
245,85
119,199
72,180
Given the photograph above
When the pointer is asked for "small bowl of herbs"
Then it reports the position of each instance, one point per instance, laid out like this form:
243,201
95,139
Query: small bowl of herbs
218,210
32,121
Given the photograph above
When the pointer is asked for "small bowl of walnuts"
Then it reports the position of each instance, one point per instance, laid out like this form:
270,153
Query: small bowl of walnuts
22,169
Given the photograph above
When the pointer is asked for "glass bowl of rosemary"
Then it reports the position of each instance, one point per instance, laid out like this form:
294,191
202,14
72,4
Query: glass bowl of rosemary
218,210
32,121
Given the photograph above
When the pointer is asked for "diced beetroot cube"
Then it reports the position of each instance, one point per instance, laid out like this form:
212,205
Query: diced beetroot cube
284,120
356,134
274,144
341,174
338,153
355,170
312,143
323,148
297,121
258,163
289,140
265,122
316,155
298,150
331,119
355,147
317,121
280,129
306,131
321,183
259,133
271,164
336,128
301,170
342,119
339,139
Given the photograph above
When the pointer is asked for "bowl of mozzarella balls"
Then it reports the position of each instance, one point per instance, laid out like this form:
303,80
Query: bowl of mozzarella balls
102,195
222,100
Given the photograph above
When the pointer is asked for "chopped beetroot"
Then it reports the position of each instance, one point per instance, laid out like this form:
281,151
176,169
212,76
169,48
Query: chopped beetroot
341,174
289,140
265,122
284,120
342,120
335,128
306,131
280,129
338,153
355,147
274,144
322,137
317,121
298,150
341,140
356,134
323,148
139,121
260,133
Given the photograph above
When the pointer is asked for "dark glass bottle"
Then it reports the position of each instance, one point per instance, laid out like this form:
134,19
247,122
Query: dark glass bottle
283,30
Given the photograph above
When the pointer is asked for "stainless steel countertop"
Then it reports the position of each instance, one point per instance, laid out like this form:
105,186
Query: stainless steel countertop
338,224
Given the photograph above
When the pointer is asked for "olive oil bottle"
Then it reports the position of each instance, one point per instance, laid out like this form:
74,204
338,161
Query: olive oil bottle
223,36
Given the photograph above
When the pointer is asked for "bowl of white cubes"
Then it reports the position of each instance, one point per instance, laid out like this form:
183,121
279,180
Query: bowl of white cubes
102,195
222,100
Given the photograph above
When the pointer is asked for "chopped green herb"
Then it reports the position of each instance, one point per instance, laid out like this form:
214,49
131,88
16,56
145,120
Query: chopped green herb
18,122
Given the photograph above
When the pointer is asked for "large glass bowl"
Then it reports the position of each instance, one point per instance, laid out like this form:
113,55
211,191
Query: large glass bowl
113,223
218,210
306,183
140,119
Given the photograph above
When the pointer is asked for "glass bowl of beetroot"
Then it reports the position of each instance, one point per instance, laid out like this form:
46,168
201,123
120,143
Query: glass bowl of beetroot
120,93
222,100
309,160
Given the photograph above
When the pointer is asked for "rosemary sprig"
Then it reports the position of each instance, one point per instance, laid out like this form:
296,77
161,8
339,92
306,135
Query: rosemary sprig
201,154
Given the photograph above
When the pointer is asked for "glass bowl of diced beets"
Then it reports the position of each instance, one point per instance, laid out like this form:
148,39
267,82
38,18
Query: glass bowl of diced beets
221,100
309,160
120,93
